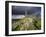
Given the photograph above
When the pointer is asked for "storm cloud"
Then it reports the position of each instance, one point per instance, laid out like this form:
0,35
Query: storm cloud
20,10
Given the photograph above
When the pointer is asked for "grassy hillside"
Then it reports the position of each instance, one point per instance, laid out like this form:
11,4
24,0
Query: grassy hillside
26,23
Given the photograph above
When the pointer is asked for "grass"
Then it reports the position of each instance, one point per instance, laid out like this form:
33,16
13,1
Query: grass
26,23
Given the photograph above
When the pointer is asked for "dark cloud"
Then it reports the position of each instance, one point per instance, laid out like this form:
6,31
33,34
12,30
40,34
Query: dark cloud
20,10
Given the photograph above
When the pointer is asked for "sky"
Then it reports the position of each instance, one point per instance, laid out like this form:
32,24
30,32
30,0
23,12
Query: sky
20,10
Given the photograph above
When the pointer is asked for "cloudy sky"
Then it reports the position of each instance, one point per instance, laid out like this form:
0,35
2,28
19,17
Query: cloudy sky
20,10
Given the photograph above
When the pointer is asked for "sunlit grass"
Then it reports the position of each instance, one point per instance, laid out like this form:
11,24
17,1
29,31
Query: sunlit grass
26,23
